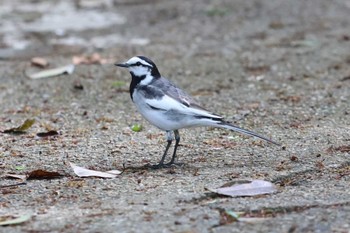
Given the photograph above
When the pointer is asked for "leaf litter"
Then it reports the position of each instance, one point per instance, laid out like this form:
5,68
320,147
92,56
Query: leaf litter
136,127
230,216
47,134
10,220
40,62
84,172
94,58
15,176
42,174
21,129
343,149
38,174
69,69
246,189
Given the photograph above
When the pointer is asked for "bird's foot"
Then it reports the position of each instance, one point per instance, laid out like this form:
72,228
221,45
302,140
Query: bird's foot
164,165
174,164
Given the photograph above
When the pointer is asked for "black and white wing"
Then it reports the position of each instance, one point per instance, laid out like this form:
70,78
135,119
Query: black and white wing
177,99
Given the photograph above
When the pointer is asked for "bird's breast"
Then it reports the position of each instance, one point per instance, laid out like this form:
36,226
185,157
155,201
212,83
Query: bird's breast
157,117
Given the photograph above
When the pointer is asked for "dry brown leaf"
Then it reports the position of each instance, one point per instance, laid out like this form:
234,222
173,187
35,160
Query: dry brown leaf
343,149
94,58
47,134
39,61
42,174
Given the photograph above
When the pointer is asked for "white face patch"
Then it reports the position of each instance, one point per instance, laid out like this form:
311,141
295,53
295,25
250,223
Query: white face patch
140,70
139,67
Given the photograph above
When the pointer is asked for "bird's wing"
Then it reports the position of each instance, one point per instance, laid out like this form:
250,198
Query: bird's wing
176,99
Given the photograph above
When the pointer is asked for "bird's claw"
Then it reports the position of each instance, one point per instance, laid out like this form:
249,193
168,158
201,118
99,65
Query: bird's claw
164,165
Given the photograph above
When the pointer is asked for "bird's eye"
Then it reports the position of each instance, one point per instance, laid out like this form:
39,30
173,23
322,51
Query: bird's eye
138,63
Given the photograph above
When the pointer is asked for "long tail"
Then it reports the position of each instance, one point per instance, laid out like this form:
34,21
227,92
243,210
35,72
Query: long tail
227,125
218,122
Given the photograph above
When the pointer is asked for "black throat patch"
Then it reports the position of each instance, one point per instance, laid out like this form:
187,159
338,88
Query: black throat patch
135,80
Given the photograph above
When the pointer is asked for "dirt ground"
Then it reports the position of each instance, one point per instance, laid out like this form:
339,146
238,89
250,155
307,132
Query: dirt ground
280,68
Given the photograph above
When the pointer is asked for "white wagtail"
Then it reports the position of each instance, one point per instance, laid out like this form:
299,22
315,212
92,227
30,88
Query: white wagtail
168,107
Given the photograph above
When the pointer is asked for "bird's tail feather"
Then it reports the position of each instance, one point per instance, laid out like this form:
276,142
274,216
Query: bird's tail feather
222,124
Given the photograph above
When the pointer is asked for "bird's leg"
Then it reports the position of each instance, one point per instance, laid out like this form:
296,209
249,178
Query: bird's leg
177,140
161,162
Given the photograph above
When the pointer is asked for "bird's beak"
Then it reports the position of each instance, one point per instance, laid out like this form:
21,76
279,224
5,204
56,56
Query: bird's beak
126,65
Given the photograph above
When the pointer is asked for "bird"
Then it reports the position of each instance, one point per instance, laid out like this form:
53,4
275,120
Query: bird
168,107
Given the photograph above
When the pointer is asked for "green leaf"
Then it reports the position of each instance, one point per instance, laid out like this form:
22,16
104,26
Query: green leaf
21,129
20,168
118,84
217,12
136,127
26,125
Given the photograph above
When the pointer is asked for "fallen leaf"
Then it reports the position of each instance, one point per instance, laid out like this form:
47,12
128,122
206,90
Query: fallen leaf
15,176
69,69
21,129
77,85
345,78
19,168
305,43
114,172
94,58
84,172
42,174
136,127
227,217
119,84
26,125
254,188
47,134
8,220
246,219
40,62
343,149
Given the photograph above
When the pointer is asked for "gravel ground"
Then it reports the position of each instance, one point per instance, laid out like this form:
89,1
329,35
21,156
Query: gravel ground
280,68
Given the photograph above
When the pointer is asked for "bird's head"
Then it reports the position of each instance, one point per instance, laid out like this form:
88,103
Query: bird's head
141,66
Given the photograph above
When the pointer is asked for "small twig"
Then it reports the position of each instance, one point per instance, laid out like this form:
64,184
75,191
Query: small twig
13,185
124,168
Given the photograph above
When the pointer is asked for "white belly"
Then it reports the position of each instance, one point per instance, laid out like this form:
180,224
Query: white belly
165,120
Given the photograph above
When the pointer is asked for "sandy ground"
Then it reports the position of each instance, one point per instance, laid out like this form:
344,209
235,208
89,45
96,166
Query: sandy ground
280,68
